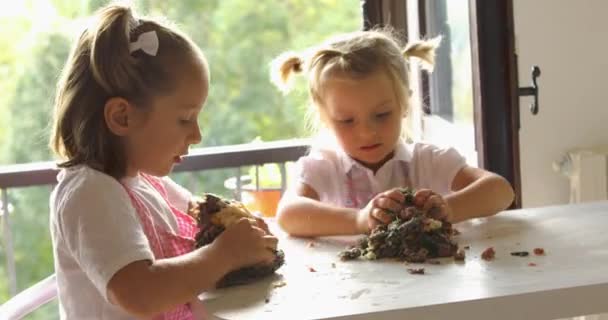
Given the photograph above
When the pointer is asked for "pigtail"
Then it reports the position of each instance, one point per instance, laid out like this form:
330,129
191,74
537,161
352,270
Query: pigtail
423,50
282,69
321,56
111,62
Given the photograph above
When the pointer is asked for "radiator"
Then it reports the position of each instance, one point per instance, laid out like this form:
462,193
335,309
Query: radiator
588,173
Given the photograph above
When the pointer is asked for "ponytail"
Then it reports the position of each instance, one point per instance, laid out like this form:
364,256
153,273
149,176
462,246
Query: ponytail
423,50
282,69
111,62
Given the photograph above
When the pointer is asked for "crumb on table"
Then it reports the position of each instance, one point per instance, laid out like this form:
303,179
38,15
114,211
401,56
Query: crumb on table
520,253
415,270
488,254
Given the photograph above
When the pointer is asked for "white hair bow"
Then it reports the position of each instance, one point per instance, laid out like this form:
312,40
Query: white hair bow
147,42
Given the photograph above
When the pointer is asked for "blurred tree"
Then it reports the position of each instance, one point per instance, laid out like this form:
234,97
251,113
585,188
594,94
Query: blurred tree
31,107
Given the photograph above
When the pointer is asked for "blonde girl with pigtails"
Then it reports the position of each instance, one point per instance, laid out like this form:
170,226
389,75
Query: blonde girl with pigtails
126,112
359,96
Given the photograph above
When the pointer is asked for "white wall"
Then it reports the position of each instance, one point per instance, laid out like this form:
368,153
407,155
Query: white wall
568,40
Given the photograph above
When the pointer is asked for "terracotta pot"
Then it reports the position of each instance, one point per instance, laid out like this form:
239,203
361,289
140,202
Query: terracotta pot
263,200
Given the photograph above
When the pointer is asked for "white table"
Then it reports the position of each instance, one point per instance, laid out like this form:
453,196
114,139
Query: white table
570,280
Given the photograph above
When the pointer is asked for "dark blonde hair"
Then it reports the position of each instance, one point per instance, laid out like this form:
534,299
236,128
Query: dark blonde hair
355,55
101,66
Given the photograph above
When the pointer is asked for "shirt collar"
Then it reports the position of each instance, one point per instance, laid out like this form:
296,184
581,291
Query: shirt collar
131,181
402,154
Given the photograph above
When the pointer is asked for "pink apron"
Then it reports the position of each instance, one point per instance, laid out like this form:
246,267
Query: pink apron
164,243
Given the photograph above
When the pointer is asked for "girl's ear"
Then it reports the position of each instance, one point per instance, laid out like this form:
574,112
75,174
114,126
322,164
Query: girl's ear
118,114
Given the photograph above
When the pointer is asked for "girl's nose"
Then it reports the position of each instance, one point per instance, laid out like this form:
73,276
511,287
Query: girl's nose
196,137
369,129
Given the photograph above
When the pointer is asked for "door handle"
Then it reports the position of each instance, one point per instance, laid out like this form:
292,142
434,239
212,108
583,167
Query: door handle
532,90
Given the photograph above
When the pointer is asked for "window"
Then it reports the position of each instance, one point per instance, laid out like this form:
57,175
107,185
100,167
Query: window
471,99
447,93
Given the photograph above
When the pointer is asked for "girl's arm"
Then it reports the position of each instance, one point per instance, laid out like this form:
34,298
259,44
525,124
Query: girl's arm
478,193
144,288
300,213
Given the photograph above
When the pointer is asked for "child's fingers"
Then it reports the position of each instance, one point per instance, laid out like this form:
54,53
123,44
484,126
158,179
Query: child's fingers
271,242
395,194
421,197
248,226
381,215
433,201
268,256
262,224
259,231
270,246
373,222
386,203
439,213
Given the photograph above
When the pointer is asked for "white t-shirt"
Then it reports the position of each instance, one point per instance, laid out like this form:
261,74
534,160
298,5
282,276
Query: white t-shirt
423,165
96,232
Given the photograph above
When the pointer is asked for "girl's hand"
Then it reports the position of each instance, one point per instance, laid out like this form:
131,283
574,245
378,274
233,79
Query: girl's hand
434,204
262,225
380,210
245,244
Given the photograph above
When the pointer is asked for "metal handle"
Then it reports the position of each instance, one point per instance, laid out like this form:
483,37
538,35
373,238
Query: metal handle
532,91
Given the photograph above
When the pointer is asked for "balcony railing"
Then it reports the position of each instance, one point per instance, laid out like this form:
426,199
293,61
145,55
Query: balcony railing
234,156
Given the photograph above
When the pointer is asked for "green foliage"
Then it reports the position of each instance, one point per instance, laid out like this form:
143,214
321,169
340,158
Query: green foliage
239,38
31,107
9,69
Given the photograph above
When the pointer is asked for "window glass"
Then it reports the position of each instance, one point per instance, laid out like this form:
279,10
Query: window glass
450,91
